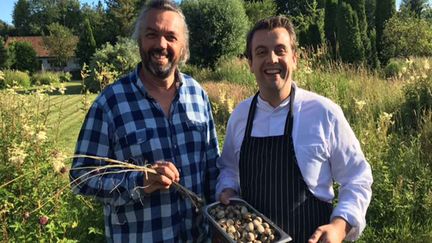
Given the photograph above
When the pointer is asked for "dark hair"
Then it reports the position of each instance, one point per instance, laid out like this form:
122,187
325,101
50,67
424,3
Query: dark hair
269,24
167,5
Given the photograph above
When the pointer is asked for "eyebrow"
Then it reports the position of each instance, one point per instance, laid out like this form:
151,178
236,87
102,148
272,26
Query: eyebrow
155,30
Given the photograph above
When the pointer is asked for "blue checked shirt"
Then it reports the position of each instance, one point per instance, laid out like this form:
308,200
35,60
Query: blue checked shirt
126,124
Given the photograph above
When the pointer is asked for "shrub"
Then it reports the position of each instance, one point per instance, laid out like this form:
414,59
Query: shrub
33,169
234,70
393,69
406,36
15,78
24,57
217,29
110,61
45,78
418,102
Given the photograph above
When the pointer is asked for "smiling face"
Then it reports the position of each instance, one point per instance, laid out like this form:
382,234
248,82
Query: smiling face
272,61
161,43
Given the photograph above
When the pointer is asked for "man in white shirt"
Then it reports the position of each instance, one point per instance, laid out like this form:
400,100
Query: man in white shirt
286,146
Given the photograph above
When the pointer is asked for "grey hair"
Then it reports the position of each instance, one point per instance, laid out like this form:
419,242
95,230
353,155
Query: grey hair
167,5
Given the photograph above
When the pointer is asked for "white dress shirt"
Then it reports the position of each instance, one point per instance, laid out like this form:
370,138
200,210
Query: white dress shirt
326,148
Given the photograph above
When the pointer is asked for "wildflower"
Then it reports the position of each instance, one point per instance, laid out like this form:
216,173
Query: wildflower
43,220
58,162
41,136
17,154
409,61
426,65
230,105
359,104
62,89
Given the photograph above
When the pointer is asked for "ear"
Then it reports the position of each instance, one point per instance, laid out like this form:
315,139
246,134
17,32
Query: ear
250,64
294,59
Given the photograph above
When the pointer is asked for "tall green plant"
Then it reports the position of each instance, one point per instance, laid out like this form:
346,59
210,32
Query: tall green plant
385,9
24,57
330,24
217,29
349,38
87,44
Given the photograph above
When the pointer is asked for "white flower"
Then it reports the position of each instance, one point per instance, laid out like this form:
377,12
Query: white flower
41,136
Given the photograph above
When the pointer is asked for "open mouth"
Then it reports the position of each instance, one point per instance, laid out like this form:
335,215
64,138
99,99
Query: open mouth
272,71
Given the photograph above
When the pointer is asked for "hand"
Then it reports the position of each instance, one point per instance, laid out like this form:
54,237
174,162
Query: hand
334,232
226,194
167,173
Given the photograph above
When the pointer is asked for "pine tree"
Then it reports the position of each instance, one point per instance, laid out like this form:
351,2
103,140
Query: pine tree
385,9
360,9
330,24
415,6
348,35
87,44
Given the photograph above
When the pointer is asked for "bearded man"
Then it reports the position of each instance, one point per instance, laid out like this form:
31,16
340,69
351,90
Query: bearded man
154,115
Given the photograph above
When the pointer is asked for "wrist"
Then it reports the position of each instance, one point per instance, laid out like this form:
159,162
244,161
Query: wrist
341,224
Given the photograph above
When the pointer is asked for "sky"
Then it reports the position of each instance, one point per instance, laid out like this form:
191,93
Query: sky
7,6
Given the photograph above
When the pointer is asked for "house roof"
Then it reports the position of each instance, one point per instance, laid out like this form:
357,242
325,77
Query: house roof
36,42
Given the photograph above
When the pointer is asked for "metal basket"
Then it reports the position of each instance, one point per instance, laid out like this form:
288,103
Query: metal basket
219,235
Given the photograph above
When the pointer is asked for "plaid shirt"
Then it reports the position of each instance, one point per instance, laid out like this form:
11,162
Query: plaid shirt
125,123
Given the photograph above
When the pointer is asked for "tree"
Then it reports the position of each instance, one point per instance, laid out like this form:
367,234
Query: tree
99,23
217,29
406,36
3,54
25,57
61,43
385,9
21,18
370,6
122,15
415,6
256,10
360,9
87,44
348,35
330,15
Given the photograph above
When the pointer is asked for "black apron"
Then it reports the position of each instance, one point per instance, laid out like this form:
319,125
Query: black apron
271,181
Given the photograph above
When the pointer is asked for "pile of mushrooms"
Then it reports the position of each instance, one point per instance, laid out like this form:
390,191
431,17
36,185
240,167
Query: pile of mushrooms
242,224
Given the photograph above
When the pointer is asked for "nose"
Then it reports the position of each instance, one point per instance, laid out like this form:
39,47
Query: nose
162,42
273,58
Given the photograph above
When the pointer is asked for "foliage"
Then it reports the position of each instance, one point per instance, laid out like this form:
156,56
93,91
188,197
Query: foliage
34,208
110,61
256,10
330,24
99,23
23,57
21,19
14,78
414,6
310,26
231,70
122,15
418,101
87,45
406,36
349,38
385,9
45,78
217,29
3,54
61,43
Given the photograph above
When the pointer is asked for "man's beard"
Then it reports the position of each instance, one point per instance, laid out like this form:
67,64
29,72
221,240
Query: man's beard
156,69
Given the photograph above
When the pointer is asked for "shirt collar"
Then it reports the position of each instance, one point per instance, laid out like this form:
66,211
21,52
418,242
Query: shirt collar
178,79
